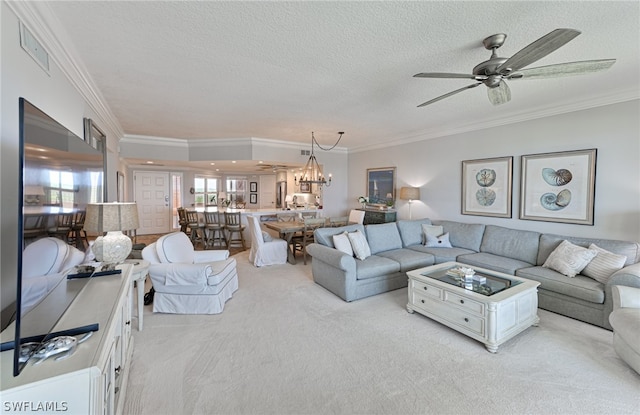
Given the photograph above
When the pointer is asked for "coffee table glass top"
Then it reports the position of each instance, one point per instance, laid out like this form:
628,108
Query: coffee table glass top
484,283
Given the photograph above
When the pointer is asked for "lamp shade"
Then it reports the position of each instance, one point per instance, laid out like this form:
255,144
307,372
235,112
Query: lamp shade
108,217
410,193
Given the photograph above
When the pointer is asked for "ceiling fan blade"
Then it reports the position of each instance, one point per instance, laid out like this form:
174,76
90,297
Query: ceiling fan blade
449,94
563,69
448,75
538,49
500,94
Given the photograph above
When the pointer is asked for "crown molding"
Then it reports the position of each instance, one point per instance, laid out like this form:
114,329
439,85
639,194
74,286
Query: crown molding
536,113
50,32
152,140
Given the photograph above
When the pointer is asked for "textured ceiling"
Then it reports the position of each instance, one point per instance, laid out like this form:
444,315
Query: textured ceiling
280,70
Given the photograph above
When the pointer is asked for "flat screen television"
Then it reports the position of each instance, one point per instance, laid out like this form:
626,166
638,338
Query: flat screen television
59,172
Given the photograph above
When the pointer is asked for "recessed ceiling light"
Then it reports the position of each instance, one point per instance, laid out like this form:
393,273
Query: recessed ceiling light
233,161
213,164
260,162
149,162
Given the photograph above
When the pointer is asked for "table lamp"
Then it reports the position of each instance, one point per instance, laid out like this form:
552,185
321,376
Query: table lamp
410,194
112,218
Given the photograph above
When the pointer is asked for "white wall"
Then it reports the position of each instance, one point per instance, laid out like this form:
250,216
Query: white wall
21,76
435,166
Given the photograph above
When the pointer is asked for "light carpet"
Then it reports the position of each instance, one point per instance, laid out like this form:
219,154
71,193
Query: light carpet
285,345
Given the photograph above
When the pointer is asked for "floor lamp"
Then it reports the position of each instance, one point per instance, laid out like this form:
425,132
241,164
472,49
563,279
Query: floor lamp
410,194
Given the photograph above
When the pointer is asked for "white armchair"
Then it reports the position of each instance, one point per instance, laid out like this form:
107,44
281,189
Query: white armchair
265,252
625,320
187,281
44,265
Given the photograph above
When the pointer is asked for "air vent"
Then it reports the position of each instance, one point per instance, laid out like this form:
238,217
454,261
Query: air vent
31,45
305,152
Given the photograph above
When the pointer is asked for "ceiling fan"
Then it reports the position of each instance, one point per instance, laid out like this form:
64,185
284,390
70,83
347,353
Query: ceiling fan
495,71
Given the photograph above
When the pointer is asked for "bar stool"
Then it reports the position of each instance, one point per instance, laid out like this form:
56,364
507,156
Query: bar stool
196,227
182,219
215,229
62,227
78,234
234,225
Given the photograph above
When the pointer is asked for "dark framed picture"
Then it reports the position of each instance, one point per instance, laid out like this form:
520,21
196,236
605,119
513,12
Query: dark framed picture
381,186
253,198
486,187
305,187
253,186
558,187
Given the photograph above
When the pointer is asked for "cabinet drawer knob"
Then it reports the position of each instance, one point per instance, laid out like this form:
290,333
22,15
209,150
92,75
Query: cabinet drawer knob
422,301
466,320
128,323
461,301
425,288
118,370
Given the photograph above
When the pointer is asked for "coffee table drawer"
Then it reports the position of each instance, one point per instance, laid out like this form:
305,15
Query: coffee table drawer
465,303
425,289
464,322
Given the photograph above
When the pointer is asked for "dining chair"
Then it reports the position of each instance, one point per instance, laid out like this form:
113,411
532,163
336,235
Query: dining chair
214,228
300,242
62,227
356,216
34,226
196,228
286,217
78,234
233,225
182,219
265,250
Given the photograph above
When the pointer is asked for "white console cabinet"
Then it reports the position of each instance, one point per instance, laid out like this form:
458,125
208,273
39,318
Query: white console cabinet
93,379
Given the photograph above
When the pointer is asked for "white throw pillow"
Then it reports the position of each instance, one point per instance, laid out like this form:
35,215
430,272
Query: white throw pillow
266,237
569,259
359,244
433,230
441,241
603,265
342,243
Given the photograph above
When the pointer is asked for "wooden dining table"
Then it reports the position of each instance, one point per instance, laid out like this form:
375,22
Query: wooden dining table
287,230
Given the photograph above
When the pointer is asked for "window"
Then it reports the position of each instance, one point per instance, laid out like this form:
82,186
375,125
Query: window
206,191
237,190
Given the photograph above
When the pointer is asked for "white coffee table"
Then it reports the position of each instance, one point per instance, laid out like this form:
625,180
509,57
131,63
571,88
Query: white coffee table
491,313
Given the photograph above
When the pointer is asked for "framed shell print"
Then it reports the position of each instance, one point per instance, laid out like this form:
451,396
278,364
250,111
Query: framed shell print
487,187
559,187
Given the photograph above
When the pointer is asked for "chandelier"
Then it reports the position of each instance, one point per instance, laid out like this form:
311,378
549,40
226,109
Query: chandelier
312,173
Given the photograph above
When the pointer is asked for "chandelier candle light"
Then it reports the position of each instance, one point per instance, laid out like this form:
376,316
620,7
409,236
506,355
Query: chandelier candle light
312,173
112,218
410,194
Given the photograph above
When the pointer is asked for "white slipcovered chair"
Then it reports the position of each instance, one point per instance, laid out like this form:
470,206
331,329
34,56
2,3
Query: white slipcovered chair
187,281
265,252
625,320
44,265
356,216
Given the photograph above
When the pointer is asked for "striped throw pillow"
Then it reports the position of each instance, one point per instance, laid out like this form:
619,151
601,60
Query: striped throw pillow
603,265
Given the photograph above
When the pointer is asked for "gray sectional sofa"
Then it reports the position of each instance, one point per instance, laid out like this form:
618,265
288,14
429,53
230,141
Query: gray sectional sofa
398,247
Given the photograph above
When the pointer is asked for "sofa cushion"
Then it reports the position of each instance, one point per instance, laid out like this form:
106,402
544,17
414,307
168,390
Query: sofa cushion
511,243
569,259
383,237
442,254
581,287
493,262
409,259
441,241
324,236
359,245
375,266
411,231
549,242
342,243
603,265
463,235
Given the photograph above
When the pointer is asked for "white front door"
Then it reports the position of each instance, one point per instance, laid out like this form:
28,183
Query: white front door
151,190
268,191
